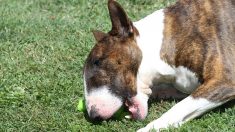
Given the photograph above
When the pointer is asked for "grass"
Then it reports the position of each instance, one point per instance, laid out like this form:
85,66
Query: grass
43,45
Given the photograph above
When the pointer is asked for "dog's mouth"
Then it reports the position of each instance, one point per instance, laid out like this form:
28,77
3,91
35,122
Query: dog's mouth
137,108
134,112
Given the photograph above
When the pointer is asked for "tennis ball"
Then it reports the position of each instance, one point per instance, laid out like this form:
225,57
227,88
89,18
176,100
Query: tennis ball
81,106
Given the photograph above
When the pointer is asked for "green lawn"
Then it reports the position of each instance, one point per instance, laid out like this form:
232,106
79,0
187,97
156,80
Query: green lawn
43,45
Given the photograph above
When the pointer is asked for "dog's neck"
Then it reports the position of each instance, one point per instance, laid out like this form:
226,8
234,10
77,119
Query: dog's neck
150,41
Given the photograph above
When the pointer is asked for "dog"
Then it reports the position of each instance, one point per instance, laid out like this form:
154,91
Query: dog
190,44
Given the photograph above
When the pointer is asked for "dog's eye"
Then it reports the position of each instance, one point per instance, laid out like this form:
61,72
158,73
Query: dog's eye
97,62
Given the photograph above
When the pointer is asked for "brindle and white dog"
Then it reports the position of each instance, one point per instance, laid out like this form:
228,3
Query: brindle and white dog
190,44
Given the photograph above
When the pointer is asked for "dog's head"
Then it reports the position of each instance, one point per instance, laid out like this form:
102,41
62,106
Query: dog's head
110,71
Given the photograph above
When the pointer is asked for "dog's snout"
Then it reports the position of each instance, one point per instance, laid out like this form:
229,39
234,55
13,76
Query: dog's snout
101,104
94,115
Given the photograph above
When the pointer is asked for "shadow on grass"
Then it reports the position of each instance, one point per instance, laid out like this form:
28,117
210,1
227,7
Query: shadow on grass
223,107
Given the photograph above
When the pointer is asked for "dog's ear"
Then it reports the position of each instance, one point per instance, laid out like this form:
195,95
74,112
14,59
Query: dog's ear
99,35
121,24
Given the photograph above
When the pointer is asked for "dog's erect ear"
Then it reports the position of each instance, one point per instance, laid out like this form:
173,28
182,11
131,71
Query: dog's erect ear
121,25
99,35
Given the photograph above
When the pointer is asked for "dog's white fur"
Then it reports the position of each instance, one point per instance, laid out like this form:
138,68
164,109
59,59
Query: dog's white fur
149,42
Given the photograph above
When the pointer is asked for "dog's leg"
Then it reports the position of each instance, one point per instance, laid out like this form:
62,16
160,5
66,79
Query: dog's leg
206,97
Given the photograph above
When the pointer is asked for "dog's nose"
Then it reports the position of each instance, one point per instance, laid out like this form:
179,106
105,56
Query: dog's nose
94,114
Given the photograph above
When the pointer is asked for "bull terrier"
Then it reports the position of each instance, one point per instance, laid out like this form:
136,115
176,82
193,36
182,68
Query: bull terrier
190,44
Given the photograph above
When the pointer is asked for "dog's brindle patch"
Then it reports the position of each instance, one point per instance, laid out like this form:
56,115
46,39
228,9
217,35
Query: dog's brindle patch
199,35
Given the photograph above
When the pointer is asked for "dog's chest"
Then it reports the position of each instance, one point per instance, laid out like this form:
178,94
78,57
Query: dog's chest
181,78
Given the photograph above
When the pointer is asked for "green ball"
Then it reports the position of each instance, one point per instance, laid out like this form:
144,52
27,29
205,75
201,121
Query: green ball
81,106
